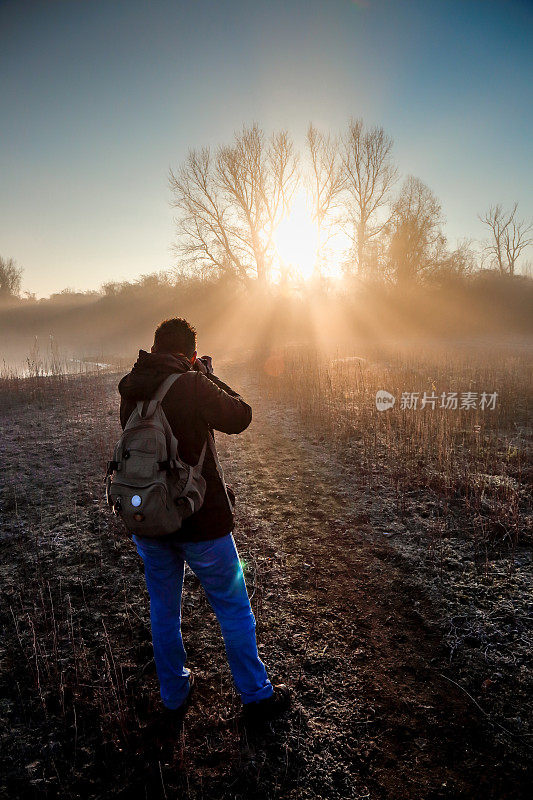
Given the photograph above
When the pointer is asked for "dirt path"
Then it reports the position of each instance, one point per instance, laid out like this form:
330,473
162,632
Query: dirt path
338,616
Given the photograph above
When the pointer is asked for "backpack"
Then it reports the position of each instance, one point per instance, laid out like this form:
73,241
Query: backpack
147,484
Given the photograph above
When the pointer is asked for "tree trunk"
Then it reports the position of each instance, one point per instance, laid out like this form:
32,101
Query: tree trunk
361,233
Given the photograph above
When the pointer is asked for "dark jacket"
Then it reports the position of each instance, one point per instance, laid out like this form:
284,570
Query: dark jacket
193,404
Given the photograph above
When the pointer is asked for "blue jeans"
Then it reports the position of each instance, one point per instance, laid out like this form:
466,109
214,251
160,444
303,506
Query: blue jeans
216,564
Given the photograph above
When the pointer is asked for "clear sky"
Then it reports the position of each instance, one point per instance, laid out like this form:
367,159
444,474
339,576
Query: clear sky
99,97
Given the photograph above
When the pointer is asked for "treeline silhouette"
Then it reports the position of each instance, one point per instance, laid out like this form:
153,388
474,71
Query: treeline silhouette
238,320
366,219
380,236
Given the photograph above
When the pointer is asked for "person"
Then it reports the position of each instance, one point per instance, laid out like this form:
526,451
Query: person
195,405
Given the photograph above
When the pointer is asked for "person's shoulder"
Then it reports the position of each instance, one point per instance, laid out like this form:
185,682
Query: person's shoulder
205,384
184,380
122,383
190,382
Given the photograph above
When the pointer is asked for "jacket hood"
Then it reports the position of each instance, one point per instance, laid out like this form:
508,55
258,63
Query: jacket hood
148,372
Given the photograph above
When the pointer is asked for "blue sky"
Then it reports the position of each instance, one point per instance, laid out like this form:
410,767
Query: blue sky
99,97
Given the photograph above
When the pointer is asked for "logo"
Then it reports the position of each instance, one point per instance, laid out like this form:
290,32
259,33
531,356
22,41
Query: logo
384,400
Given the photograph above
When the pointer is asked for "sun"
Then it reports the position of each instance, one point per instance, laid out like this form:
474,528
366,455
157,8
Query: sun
296,240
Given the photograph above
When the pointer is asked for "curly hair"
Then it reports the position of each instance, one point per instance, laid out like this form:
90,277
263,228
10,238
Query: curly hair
175,335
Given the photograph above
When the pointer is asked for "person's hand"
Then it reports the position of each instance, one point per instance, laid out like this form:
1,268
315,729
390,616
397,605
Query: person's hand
199,366
207,364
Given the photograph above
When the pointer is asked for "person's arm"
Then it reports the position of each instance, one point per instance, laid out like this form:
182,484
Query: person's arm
220,406
222,385
204,364
126,406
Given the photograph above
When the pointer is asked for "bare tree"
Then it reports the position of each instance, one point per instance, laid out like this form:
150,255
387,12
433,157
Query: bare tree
230,205
369,177
509,238
417,244
326,183
259,181
204,237
10,278
448,265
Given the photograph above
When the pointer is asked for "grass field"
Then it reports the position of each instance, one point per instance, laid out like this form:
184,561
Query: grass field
472,454
388,558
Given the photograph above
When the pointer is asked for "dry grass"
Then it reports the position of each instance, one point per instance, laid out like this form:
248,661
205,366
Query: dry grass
476,460
79,680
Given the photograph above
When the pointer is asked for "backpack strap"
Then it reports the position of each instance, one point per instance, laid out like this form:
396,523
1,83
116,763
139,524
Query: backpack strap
200,464
194,471
211,442
146,408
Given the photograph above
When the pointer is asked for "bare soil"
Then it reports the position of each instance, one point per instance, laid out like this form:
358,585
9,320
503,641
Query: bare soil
385,641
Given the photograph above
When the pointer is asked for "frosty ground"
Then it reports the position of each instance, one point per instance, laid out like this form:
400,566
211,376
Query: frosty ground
406,655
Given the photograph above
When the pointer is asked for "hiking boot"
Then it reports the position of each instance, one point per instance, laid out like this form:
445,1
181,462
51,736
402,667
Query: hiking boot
270,708
176,715
168,721
159,736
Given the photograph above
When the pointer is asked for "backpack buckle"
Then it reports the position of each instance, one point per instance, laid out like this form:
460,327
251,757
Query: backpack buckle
169,464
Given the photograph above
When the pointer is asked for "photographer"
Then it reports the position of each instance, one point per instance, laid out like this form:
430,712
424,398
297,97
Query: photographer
194,406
